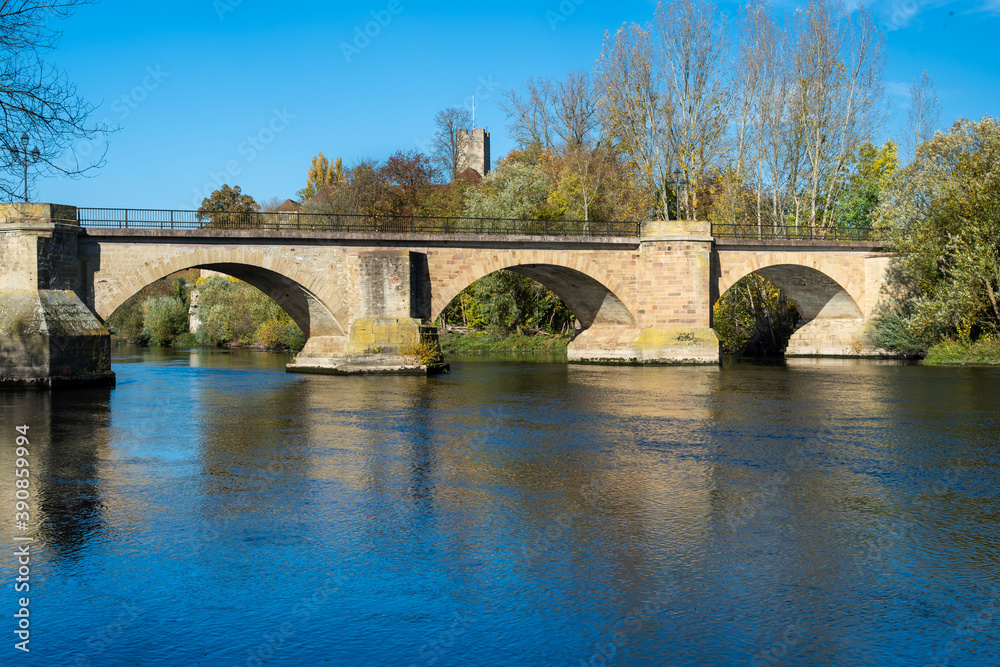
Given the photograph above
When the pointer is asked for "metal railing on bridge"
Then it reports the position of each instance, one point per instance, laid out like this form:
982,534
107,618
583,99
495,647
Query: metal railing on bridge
120,218
117,218
800,233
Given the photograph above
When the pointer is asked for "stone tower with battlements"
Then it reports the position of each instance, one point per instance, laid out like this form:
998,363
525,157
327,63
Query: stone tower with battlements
474,151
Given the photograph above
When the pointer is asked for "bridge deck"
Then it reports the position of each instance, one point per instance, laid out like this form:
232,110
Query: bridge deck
444,240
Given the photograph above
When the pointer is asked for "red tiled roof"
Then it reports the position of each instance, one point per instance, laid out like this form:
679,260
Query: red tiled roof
289,206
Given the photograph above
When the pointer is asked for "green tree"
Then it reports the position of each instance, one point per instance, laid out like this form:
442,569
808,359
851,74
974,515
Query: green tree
164,319
508,302
872,174
228,208
237,314
941,217
515,190
754,317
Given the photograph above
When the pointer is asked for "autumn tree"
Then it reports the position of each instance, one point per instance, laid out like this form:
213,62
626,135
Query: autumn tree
924,113
555,115
636,109
37,100
837,63
578,181
447,123
366,191
761,149
228,208
412,172
663,100
940,216
322,174
271,205
560,120
871,175
690,48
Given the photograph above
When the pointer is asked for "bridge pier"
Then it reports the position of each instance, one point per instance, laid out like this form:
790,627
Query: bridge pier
831,337
388,335
48,336
673,294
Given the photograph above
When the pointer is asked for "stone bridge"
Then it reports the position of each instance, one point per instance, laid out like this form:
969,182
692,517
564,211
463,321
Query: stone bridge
365,300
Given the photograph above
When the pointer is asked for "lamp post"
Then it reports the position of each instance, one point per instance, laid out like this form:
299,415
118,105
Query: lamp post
677,182
26,158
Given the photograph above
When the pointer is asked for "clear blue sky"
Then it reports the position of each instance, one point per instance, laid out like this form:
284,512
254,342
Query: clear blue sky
191,82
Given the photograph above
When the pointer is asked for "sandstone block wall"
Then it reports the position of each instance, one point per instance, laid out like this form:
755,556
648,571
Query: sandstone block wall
347,291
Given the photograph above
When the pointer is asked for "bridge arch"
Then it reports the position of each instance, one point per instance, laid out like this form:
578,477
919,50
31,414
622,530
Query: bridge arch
591,293
817,291
310,302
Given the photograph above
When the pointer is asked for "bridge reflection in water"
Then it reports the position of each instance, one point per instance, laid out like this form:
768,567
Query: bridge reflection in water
543,504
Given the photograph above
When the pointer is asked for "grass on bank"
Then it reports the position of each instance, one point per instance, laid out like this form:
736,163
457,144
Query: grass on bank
956,352
491,340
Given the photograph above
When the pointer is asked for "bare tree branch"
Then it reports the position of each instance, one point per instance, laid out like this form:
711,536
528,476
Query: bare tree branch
445,143
36,99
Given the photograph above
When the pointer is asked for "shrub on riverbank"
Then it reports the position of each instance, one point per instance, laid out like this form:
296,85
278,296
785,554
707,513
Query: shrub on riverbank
957,352
164,319
939,219
493,340
235,314
232,314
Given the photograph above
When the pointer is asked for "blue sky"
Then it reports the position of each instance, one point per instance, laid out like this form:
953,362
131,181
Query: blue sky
246,91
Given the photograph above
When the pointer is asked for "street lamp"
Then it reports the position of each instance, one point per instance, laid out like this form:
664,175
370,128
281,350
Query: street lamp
26,158
677,182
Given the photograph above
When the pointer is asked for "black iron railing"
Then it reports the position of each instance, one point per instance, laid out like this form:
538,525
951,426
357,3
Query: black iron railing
801,233
116,218
120,218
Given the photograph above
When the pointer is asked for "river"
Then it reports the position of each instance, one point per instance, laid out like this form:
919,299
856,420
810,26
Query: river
214,510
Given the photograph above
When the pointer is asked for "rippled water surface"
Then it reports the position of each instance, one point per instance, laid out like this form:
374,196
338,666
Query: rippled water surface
213,510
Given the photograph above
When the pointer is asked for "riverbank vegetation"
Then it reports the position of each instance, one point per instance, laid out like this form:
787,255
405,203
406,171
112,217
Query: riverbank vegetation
231,313
982,351
506,312
459,341
940,215
754,318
